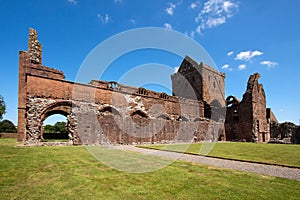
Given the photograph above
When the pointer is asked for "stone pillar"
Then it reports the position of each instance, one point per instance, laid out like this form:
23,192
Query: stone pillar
22,96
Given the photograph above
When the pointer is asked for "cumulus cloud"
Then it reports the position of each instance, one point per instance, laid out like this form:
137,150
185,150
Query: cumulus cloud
212,22
230,53
227,6
192,34
225,66
118,1
247,55
194,5
104,19
215,13
72,1
242,67
198,30
168,26
269,64
171,8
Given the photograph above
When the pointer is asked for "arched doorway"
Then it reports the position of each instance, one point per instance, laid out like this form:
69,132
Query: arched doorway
58,116
55,129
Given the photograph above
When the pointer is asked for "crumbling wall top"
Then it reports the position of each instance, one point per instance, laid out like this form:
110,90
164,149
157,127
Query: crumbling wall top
34,47
253,88
31,61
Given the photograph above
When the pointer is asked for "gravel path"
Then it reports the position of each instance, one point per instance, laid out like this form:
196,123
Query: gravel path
270,170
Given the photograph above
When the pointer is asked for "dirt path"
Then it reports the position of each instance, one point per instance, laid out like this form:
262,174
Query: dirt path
270,170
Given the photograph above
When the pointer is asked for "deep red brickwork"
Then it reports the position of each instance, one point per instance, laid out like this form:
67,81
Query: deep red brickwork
249,120
105,112
109,113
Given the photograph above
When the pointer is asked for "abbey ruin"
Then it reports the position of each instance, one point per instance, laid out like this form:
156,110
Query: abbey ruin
103,112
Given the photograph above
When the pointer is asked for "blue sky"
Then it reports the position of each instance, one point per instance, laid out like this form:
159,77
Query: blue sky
242,37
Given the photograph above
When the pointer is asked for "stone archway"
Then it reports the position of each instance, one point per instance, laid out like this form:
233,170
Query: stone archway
63,108
37,114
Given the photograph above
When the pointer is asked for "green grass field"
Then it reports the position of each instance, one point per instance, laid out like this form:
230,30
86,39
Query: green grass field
72,173
282,154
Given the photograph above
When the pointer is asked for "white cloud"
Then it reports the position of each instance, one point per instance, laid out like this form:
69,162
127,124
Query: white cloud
72,1
227,6
269,63
194,5
132,21
171,8
198,30
219,7
215,13
247,55
192,34
212,22
168,26
230,53
256,53
242,67
225,66
104,19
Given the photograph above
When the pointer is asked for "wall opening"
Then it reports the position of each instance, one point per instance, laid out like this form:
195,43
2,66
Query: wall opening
236,117
54,129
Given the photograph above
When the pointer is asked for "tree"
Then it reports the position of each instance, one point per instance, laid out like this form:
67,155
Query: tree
49,129
2,107
61,127
7,126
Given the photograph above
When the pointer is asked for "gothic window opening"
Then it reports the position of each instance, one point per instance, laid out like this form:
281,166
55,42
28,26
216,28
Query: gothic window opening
109,110
236,117
113,85
139,114
142,91
163,95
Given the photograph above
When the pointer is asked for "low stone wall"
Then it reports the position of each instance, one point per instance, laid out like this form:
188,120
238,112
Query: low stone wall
286,132
8,135
55,136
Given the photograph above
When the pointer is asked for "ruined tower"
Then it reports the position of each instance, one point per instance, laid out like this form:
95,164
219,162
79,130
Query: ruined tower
249,119
200,82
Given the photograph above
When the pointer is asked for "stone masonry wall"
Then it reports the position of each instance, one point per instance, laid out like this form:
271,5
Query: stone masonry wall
247,120
100,115
104,112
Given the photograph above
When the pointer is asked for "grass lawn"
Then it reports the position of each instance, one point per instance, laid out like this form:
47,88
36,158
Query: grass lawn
72,173
284,154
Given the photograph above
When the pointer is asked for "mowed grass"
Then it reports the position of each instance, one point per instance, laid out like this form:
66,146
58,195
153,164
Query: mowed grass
72,173
282,154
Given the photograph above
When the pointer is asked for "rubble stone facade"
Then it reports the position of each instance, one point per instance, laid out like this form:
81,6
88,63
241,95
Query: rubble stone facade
107,112
103,112
285,133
